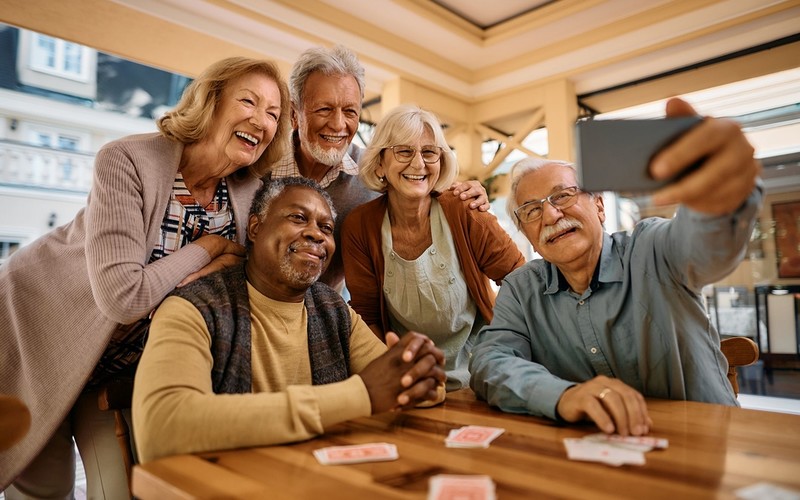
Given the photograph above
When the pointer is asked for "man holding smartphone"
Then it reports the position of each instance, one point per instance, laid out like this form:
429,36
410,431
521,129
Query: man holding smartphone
604,320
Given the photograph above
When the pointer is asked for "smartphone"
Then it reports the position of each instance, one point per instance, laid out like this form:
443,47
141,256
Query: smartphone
614,155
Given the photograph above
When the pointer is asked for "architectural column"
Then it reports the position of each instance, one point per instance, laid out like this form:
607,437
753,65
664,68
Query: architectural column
560,111
467,142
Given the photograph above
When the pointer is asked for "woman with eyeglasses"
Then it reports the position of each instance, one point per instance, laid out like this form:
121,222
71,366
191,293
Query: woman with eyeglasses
415,258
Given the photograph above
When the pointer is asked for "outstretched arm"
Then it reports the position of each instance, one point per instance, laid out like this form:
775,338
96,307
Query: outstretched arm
728,171
719,201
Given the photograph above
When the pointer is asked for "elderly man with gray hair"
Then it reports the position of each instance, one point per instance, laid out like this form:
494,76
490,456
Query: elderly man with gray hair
327,88
604,320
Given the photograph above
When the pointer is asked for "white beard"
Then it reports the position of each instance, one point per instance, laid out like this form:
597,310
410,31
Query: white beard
330,157
327,156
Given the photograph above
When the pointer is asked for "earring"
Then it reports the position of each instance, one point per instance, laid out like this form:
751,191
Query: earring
382,179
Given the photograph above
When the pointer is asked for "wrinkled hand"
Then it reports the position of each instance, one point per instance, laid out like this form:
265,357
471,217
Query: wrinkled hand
474,191
728,172
405,375
223,253
609,403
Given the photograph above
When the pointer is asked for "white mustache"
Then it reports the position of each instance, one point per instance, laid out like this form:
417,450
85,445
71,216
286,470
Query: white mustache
563,224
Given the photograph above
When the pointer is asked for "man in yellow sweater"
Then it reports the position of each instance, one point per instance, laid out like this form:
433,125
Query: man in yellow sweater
262,353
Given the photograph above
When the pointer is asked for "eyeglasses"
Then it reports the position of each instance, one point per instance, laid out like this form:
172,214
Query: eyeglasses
404,154
532,210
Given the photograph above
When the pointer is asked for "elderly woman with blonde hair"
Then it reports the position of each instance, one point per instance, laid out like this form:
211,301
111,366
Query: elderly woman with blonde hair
165,208
414,259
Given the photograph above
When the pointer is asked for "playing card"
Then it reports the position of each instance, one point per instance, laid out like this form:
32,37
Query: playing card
455,487
766,491
354,454
595,451
472,436
638,443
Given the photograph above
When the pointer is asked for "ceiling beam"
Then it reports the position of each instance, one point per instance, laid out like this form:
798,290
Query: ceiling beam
729,71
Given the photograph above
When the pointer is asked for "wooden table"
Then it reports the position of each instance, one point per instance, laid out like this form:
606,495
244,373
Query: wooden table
713,450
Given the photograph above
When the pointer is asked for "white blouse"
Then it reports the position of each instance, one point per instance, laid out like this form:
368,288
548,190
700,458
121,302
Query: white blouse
429,295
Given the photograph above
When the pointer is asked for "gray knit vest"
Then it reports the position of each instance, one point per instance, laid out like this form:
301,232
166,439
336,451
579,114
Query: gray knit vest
223,301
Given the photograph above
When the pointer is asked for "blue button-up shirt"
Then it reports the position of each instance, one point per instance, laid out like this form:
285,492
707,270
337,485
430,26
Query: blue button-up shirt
642,319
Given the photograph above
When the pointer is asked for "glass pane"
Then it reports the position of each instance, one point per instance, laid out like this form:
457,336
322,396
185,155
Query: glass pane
44,52
72,58
68,143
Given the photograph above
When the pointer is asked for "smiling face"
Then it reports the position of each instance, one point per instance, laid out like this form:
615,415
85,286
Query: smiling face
571,237
245,121
292,244
414,180
328,118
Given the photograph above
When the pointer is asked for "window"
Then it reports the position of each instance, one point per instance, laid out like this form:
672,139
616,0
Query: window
7,247
52,137
59,57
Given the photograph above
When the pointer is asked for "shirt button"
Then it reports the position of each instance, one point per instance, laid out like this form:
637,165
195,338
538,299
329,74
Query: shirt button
593,350
433,251
390,273
580,303
386,290
452,280
441,265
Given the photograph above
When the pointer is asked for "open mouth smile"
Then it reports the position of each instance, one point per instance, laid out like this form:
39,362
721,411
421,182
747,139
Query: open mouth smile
334,139
252,140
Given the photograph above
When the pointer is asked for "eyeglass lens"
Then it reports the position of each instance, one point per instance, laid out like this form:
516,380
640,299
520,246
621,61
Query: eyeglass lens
532,210
406,153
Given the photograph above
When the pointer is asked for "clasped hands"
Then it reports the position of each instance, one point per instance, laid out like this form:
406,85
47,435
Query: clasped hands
407,374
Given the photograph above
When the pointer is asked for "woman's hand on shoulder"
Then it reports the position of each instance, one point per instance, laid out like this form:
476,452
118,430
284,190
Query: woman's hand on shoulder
224,253
473,192
216,246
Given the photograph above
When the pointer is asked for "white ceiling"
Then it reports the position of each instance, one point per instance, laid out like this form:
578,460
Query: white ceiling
596,44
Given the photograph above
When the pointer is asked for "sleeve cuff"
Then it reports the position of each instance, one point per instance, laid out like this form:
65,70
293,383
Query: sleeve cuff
549,396
342,401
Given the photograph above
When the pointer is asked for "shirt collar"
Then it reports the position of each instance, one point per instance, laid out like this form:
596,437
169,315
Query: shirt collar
608,270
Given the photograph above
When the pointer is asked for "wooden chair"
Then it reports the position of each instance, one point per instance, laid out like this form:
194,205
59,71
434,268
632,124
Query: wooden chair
740,351
116,396
15,421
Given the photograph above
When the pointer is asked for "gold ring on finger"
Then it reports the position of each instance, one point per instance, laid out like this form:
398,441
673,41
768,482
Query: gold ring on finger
603,393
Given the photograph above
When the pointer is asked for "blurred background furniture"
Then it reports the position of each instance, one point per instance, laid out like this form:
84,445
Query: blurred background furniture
740,352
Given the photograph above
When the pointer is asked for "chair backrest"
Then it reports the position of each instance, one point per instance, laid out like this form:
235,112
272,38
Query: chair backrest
116,396
15,421
740,351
